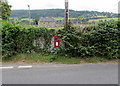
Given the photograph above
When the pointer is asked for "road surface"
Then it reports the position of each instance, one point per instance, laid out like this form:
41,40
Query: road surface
60,74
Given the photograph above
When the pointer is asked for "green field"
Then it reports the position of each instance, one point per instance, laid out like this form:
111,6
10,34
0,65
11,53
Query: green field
58,18
27,19
104,19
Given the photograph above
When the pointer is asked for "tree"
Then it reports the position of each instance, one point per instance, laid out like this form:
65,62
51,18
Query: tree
5,10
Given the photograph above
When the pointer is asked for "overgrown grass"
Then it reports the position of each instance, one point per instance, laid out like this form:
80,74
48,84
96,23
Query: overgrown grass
48,58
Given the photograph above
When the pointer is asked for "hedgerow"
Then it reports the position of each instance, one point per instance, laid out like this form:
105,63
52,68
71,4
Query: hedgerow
102,40
17,39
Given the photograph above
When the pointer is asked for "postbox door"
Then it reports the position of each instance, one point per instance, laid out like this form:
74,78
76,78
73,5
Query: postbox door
56,41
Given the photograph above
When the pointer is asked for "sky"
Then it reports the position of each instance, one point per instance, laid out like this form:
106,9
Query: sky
78,5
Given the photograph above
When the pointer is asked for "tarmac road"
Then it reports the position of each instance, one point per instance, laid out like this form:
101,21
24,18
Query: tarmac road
60,74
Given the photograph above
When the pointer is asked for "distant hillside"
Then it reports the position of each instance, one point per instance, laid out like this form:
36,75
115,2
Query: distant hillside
60,13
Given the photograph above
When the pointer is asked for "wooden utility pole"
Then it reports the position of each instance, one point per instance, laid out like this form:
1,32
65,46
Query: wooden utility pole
66,11
29,14
119,10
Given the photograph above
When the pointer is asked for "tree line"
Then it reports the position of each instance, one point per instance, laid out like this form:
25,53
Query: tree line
5,12
60,13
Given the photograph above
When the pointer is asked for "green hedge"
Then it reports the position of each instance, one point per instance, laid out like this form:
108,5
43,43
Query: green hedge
101,40
17,39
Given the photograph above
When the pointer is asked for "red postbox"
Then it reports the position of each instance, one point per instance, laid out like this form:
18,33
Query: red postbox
56,41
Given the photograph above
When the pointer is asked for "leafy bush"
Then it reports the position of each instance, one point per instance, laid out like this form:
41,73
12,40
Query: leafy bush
9,36
106,39
101,40
18,39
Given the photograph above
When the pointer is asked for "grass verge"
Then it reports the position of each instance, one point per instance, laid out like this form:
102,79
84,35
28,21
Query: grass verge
48,58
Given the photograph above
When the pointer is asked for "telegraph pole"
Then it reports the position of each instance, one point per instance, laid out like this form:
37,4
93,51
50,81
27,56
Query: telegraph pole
29,14
66,11
119,10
